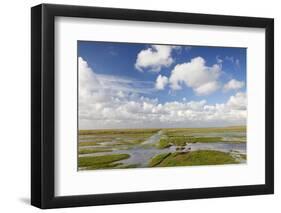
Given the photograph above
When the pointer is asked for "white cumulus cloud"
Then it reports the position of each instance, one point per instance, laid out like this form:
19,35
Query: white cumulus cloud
238,101
195,74
233,84
154,58
111,102
161,82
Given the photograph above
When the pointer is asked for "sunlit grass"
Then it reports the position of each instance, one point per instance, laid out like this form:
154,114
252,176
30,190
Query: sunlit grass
92,150
156,160
100,161
194,158
88,143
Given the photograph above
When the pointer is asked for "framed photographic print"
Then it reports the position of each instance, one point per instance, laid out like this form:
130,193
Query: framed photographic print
139,106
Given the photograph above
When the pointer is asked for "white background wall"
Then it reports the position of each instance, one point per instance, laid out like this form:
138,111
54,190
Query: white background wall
15,105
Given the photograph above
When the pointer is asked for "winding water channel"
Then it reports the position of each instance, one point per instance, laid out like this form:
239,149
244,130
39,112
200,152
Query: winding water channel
142,153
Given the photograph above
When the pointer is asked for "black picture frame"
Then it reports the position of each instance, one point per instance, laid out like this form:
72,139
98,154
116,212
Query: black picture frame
43,102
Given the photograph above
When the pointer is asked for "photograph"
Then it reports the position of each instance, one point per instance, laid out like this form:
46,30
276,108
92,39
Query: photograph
139,105
160,105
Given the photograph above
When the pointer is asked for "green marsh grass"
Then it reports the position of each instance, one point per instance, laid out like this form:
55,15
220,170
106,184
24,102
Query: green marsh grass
91,151
156,160
100,161
195,158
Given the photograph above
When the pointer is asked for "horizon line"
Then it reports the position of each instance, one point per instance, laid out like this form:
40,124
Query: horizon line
168,128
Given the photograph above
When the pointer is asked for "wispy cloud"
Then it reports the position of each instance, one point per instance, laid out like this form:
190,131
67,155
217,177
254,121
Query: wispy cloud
124,84
234,61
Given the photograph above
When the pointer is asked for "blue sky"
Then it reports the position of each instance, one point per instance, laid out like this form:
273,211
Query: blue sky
187,73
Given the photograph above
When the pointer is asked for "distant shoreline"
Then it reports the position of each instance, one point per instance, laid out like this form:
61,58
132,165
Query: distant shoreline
121,129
